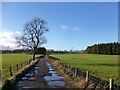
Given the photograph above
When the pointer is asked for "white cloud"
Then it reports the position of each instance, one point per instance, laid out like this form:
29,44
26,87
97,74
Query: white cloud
17,32
6,34
76,29
7,39
64,27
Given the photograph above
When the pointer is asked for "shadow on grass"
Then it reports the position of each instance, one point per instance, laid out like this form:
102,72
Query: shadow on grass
54,58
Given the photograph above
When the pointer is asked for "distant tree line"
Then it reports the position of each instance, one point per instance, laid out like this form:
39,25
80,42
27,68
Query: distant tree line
40,50
57,52
104,48
16,51
52,51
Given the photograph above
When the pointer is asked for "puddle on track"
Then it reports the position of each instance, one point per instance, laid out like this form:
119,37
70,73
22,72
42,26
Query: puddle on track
20,82
37,68
54,79
31,79
26,78
24,88
51,78
36,72
29,75
51,69
52,72
56,83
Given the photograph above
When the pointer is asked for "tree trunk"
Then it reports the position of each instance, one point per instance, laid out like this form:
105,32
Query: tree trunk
34,52
33,56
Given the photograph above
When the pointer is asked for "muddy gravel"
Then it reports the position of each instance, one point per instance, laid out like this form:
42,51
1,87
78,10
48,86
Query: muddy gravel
42,75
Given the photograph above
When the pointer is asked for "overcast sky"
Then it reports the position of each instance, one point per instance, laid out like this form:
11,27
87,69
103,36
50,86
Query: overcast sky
76,25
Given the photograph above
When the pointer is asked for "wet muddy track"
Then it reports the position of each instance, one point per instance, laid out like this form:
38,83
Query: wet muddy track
42,75
54,79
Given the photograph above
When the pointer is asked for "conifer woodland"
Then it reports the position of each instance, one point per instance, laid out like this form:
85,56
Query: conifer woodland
106,48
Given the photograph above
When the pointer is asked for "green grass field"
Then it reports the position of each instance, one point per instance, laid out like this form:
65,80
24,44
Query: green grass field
11,60
104,66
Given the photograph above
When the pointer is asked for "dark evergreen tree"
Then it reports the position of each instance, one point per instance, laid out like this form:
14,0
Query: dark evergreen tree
104,48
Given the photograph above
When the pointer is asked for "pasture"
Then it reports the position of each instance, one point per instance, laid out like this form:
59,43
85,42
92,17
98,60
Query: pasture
103,66
11,60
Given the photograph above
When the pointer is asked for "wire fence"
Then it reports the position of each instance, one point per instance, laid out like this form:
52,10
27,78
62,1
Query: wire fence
96,80
13,70
89,77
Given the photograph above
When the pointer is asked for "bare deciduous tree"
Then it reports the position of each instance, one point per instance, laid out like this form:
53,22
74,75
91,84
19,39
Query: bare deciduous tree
33,36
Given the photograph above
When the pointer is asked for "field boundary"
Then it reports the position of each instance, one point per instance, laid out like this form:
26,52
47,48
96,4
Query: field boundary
98,82
14,69
9,82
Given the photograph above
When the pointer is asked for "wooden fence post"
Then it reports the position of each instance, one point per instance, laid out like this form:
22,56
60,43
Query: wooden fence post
59,63
75,72
21,64
68,66
17,67
11,71
111,84
63,65
26,62
29,61
87,76
73,69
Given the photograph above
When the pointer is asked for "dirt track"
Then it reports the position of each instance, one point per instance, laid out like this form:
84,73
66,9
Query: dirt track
43,75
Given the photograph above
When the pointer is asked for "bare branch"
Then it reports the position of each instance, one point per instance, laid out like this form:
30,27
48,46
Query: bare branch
33,36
